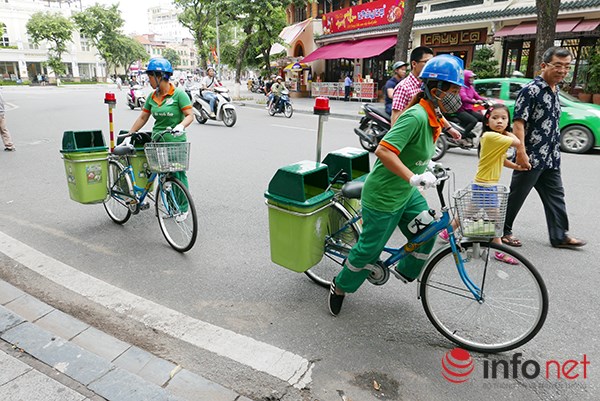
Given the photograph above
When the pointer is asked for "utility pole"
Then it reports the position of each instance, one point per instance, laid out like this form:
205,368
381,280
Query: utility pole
218,51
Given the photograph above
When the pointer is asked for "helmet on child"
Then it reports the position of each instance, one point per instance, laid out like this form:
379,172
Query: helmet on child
444,67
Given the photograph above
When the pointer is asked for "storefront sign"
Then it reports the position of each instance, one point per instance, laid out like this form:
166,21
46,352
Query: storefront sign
364,15
470,37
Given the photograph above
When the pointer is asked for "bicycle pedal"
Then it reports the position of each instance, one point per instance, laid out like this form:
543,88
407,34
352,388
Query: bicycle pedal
401,277
144,206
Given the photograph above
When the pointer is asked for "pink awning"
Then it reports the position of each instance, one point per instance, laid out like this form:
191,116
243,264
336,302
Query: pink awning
352,49
530,27
587,25
291,32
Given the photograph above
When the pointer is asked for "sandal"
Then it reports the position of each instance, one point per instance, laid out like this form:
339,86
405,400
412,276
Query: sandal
511,240
571,243
502,257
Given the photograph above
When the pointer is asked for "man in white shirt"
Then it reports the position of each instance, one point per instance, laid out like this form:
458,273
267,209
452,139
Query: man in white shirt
209,83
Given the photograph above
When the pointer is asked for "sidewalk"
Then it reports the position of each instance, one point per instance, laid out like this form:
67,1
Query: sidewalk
48,355
350,110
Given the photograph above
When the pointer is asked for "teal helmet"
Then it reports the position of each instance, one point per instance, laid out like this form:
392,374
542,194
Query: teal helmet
162,65
444,67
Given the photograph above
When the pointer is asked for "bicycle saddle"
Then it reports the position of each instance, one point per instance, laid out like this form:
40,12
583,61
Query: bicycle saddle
124,150
352,189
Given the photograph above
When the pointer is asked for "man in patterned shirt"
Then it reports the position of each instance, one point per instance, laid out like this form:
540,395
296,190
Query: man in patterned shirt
411,85
536,124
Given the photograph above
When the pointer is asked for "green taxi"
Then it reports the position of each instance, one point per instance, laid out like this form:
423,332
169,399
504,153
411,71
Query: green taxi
579,122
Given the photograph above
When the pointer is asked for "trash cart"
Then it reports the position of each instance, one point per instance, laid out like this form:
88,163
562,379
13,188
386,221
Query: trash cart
86,165
355,162
298,205
138,161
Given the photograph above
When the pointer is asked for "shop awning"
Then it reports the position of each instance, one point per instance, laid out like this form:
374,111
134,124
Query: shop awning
352,49
587,25
290,33
562,25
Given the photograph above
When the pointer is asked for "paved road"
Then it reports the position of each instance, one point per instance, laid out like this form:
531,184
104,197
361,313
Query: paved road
228,280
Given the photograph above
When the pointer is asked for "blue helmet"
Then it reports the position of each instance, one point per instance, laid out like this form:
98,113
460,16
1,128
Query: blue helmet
444,67
160,64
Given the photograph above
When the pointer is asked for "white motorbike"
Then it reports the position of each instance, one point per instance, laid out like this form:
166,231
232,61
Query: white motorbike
139,97
225,111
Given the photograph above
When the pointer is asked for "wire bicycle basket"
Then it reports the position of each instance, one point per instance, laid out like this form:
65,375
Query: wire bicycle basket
168,157
481,210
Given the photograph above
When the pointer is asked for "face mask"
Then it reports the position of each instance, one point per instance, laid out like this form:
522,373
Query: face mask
451,102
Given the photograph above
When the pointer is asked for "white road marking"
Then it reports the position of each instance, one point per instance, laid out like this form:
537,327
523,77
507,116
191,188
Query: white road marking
263,357
292,127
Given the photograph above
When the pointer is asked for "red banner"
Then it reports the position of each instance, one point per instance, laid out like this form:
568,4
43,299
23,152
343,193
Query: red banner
363,16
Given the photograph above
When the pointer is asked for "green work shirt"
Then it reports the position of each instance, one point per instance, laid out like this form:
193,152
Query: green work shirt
412,137
167,112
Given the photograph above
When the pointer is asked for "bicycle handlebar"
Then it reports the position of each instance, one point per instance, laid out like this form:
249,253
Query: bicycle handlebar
147,133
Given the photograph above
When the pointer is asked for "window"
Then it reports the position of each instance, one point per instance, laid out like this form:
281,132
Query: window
85,43
514,90
4,40
455,4
489,89
299,13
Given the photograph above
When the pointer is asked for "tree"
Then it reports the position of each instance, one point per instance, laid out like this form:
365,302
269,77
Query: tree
55,29
260,19
128,51
484,64
546,28
403,37
102,26
172,56
197,16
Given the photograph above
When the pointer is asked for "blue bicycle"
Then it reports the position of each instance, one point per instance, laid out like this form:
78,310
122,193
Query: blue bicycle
473,299
174,206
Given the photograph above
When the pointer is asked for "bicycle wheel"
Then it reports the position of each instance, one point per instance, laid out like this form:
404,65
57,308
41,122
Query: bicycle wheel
513,307
341,237
176,214
119,186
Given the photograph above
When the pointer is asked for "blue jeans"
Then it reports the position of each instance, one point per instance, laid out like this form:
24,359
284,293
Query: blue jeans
211,98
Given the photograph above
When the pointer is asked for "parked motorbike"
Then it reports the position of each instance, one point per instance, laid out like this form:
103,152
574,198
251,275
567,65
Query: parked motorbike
257,86
225,110
446,141
284,105
139,97
373,126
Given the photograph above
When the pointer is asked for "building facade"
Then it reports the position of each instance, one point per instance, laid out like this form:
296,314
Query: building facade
21,60
163,22
358,37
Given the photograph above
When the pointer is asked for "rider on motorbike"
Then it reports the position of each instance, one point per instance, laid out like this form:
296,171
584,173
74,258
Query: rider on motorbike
276,90
132,82
467,116
399,69
208,85
188,85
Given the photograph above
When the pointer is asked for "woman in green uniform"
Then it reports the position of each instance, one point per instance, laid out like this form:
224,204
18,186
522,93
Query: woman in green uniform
170,107
390,197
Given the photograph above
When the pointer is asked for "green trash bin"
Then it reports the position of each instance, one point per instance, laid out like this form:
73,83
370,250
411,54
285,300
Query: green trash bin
85,157
139,162
355,162
298,214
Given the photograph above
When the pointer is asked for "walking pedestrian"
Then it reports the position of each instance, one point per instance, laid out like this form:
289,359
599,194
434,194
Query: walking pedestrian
399,69
536,125
347,87
9,146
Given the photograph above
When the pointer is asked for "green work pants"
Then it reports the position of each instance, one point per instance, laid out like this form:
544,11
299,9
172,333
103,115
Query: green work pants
378,227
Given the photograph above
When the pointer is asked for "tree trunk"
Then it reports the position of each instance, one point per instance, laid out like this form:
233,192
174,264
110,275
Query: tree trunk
546,29
403,37
242,53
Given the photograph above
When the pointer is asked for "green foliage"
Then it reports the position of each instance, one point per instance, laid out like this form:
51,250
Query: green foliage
102,26
198,16
484,64
127,50
593,75
57,31
172,56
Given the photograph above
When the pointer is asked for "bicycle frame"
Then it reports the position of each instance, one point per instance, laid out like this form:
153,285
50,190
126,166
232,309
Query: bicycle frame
140,193
397,254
